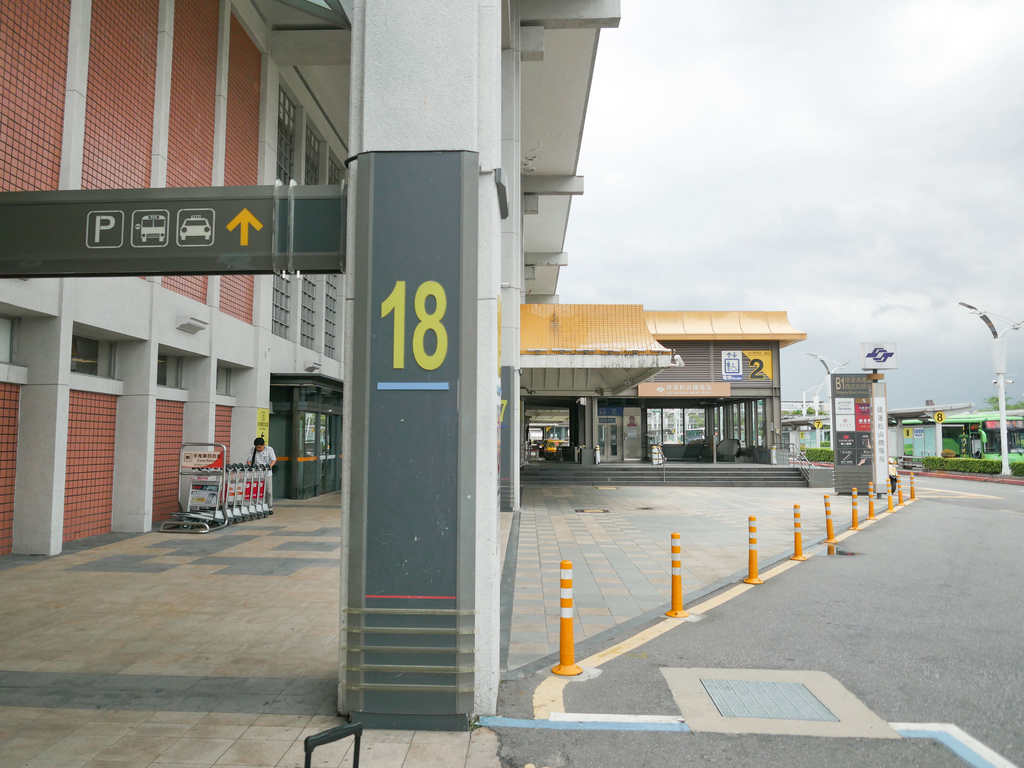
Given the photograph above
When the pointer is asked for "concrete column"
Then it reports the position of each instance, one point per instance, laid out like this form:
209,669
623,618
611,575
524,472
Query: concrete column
45,350
162,103
426,76
134,438
199,419
73,143
220,119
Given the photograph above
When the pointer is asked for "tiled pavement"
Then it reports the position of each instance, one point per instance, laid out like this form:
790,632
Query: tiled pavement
173,650
620,550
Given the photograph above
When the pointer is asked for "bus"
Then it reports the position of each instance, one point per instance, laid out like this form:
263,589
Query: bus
976,435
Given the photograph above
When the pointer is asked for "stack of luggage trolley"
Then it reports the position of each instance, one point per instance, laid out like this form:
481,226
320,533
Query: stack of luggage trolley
213,494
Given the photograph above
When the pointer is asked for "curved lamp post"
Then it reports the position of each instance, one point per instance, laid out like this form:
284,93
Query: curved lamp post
999,364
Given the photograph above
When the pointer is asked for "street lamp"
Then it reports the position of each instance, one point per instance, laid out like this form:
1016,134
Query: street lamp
831,366
999,364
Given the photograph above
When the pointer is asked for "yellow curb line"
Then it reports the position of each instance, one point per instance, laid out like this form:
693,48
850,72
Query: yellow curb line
548,698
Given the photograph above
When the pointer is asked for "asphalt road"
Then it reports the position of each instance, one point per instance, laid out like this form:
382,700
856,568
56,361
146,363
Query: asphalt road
924,624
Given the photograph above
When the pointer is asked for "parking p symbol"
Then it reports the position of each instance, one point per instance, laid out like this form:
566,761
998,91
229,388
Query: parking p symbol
104,229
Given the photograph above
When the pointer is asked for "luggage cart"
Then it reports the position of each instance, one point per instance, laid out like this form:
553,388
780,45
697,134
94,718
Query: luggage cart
202,489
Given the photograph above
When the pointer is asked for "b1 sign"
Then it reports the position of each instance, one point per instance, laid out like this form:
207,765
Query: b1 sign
876,356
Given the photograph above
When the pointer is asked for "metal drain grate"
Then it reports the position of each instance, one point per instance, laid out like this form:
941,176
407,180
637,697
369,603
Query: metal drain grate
591,511
775,701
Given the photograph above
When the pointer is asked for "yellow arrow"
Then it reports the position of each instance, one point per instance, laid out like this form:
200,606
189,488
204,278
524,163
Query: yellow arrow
246,220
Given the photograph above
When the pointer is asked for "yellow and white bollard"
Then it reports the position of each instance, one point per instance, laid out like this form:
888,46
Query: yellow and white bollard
888,493
677,611
899,488
829,530
798,537
566,649
871,501
856,517
752,560
913,496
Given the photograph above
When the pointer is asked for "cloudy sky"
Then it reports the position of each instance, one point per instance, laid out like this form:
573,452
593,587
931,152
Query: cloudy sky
857,164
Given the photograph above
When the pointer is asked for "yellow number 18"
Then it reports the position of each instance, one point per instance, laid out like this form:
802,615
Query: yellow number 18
428,321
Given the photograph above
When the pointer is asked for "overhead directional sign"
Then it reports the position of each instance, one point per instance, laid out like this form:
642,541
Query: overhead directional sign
210,230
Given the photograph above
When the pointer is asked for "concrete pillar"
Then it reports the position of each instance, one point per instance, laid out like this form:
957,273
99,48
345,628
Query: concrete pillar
199,418
426,76
134,438
45,350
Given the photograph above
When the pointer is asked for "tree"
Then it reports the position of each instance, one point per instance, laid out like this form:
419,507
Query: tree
993,404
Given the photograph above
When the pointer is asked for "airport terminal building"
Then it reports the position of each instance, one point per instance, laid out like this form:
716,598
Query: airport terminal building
103,378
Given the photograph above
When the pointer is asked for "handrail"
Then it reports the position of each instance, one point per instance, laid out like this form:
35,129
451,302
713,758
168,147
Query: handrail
796,457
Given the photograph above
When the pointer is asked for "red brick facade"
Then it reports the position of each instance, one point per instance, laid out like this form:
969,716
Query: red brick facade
169,416
119,105
8,458
193,286
89,483
243,123
236,296
222,427
193,93
35,35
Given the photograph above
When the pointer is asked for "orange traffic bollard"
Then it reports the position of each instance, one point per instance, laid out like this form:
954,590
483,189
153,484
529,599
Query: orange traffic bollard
899,488
829,531
913,496
871,501
798,537
856,517
888,493
752,561
677,611
566,649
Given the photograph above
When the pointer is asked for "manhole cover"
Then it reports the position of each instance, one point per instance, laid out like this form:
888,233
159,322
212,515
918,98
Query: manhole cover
775,701
591,511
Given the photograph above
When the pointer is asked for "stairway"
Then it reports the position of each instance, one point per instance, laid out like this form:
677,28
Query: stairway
721,475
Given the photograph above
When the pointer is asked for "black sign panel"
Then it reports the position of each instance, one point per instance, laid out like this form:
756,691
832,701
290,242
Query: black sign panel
209,230
851,426
412,468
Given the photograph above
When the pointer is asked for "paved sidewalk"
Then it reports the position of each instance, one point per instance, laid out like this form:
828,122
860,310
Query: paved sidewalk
172,650
620,549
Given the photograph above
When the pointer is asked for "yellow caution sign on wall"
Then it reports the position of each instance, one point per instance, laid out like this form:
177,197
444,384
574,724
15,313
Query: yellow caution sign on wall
760,364
263,423
908,432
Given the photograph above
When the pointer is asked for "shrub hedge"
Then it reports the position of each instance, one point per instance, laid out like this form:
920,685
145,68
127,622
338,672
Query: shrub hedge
819,454
976,466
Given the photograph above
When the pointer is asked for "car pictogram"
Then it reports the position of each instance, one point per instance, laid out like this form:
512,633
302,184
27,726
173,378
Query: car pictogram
195,227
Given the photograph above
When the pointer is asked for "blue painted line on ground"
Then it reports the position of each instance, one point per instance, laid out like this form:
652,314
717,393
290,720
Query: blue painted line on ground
561,725
951,742
434,385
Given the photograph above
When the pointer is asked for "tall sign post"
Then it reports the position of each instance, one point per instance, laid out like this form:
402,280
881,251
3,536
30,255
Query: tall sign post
877,356
851,432
408,641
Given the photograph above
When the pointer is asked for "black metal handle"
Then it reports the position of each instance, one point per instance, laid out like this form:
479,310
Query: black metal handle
332,735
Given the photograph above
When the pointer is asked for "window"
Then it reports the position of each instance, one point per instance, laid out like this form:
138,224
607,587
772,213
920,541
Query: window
92,357
223,380
6,339
333,172
312,157
330,315
307,327
285,138
168,371
280,322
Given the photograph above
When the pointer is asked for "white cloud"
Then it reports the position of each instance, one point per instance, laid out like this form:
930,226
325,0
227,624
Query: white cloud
857,164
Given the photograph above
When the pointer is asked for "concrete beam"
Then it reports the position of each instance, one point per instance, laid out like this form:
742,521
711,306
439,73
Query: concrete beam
304,47
570,14
552,185
546,259
531,43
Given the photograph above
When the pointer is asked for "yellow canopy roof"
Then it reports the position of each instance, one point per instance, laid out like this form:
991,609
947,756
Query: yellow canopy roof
601,329
723,326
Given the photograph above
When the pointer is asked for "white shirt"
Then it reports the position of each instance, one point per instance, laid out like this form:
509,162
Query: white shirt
264,457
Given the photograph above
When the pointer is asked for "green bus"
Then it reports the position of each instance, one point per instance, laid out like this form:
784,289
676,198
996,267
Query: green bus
976,435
